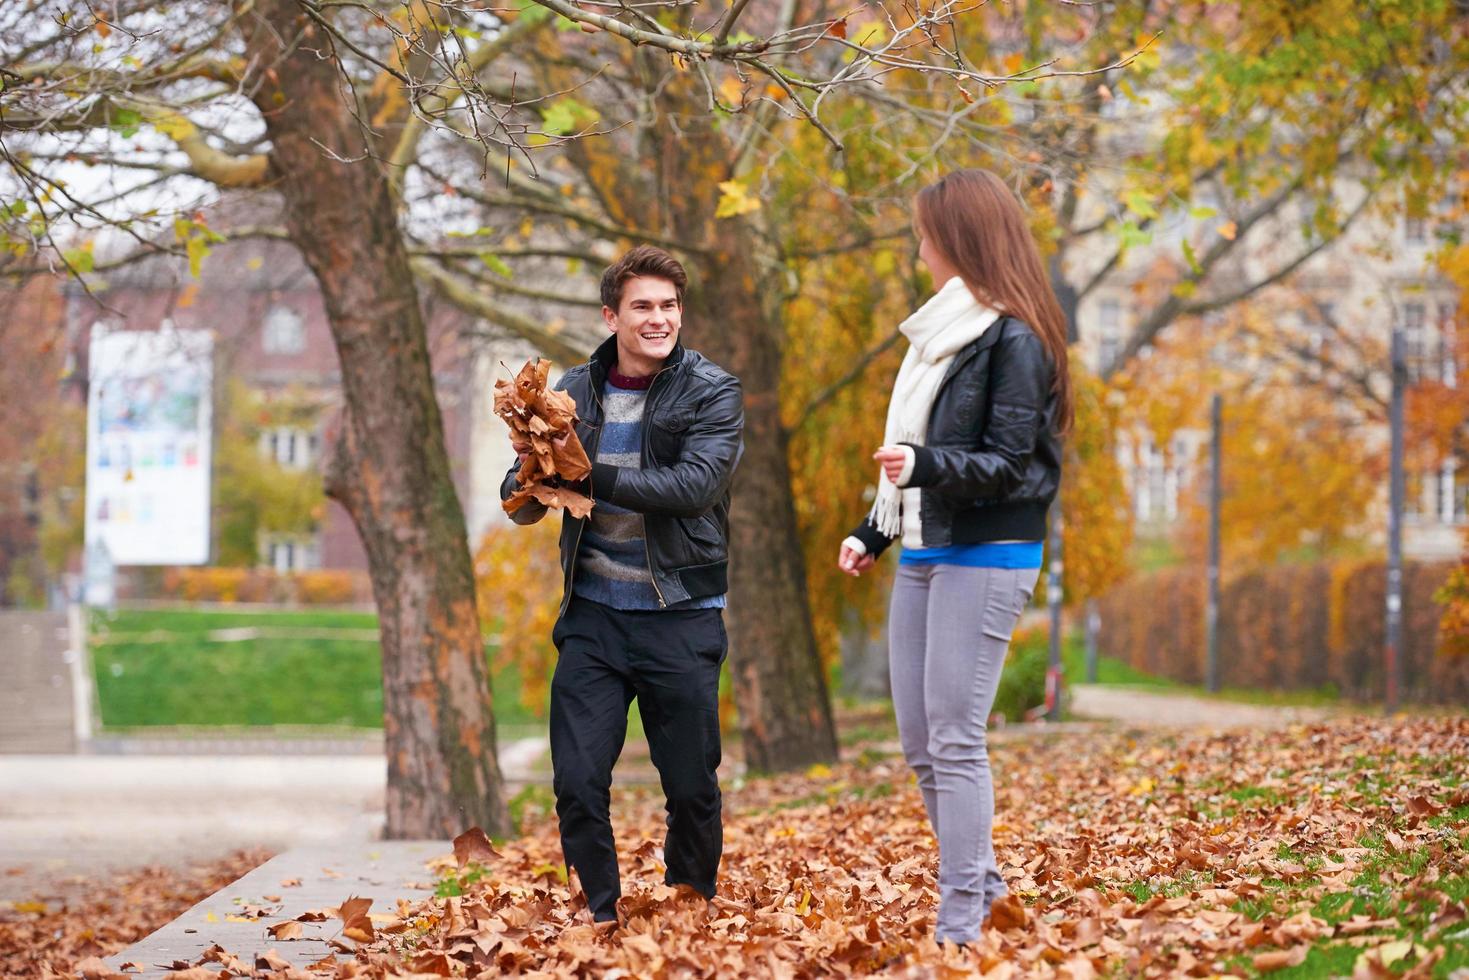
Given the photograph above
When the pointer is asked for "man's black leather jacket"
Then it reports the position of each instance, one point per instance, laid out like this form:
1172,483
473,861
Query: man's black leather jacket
692,426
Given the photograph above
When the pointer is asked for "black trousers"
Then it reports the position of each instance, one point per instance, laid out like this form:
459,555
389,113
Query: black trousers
669,660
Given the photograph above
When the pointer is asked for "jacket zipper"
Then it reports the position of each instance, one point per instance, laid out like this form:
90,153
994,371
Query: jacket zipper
643,461
576,548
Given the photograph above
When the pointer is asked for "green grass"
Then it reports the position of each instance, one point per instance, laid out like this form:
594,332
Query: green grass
201,621
1111,671
187,680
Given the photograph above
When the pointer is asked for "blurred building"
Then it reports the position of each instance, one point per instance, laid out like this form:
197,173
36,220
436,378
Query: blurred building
272,336
1381,273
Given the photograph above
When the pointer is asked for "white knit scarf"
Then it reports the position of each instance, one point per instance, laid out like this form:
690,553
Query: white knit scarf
937,331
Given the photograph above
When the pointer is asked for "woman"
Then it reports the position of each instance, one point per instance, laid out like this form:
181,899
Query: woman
970,463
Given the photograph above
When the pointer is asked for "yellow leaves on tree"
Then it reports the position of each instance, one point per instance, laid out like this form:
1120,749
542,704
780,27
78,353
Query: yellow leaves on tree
735,199
542,425
1298,476
1097,521
517,584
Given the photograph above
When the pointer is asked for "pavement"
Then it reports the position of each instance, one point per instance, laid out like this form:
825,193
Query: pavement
306,879
1150,709
66,817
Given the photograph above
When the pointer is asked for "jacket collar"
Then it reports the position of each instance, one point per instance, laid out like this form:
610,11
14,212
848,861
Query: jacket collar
604,359
987,339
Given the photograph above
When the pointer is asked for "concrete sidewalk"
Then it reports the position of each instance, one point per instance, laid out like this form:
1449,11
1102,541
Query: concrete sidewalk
1155,709
321,878
63,817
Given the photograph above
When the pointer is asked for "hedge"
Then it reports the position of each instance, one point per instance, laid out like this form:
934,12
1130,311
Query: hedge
322,587
1288,627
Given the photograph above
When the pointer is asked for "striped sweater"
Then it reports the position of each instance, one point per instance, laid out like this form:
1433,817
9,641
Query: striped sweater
612,563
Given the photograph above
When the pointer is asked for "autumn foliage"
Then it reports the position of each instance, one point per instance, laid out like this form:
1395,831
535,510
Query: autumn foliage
517,584
1287,627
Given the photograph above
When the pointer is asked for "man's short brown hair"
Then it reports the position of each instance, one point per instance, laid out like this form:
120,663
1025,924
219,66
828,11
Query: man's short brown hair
644,260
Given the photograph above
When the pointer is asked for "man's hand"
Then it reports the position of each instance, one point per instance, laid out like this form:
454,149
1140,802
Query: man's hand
853,563
892,459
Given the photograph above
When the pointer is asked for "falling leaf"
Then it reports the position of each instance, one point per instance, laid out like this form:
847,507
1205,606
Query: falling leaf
285,930
473,847
1228,230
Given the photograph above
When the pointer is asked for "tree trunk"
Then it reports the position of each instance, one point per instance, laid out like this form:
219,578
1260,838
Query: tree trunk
779,683
389,468
734,317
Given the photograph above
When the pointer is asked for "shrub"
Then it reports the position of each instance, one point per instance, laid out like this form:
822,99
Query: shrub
1288,627
327,588
1023,681
262,585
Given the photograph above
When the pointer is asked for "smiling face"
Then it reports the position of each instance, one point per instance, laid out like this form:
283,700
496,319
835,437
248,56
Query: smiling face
646,324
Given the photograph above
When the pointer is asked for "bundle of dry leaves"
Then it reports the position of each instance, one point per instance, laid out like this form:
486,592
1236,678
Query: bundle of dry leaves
1126,855
542,420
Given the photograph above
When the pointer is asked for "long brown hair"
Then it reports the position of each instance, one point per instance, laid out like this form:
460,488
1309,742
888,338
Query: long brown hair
975,222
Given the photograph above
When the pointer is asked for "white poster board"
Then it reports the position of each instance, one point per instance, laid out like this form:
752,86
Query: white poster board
148,446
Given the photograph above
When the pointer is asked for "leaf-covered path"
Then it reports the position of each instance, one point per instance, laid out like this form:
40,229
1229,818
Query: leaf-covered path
1126,854
1173,709
1325,850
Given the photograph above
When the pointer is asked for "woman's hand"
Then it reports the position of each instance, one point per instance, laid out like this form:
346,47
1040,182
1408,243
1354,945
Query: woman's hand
854,563
892,459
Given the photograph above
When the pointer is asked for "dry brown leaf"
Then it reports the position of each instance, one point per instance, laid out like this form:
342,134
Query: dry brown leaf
473,846
285,930
93,968
1279,959
436,963
356,923
271,960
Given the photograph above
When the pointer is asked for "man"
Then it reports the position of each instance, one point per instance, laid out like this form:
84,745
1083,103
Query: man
645,579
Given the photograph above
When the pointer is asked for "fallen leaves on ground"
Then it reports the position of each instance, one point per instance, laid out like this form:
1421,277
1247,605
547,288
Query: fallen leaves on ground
1246,854
1219,866
38,938
543,419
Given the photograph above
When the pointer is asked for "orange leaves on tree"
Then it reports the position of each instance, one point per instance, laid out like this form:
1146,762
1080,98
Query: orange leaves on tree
517,584
1097,525
542,425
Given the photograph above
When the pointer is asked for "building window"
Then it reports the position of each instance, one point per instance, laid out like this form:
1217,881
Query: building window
285,331
1109,333
1448,336
290,553
293,448
1156,484
1415,231
1415,338
1451,504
